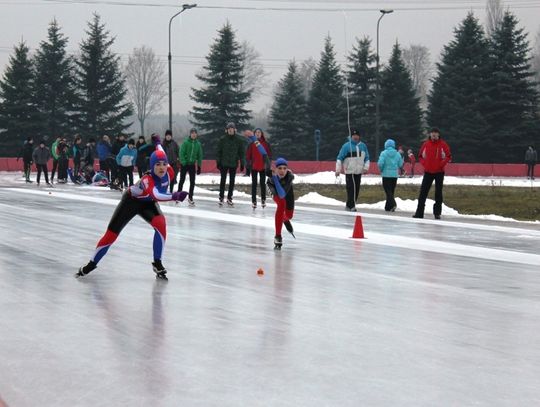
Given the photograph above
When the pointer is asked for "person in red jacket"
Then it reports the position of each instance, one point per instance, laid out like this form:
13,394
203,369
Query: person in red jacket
433,155
258,167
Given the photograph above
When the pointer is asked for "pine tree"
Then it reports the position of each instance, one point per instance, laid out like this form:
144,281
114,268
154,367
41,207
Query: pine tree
18,114
361,76
512,118
221,99
288,117
326,104
54,86
459,98
400,108
101,91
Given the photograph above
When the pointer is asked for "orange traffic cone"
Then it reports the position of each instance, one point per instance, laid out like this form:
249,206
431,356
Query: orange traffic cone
358,231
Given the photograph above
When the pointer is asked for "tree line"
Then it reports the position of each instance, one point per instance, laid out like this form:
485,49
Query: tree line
484,97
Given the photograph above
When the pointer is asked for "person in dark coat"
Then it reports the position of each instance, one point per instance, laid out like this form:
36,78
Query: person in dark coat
230,151
26,153
173,155
530,159
41,157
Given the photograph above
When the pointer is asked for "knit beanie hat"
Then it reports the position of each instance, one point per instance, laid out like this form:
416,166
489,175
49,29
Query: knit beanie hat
158,155
281,161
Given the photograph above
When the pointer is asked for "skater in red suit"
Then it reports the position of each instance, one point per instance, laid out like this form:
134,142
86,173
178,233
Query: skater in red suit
142,199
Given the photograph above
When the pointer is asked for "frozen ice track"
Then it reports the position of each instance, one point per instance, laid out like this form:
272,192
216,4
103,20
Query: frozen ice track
391,320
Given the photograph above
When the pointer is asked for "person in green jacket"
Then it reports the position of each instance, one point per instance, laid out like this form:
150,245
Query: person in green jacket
191,155
230,150
55,156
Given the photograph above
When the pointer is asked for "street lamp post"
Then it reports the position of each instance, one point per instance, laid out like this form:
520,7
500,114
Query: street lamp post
377,91
184,8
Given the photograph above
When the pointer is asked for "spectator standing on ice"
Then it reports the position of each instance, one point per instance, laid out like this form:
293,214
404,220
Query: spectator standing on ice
230,151
63,160
173,152
26,153
434,154
191,155
144,150
258,167
89,155
76,152
412,161
41,157
353,160
390,161
103,150
126,158
401,170
54,153
118,144
530,159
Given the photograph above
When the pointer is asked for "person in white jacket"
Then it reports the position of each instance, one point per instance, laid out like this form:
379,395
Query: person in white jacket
353,160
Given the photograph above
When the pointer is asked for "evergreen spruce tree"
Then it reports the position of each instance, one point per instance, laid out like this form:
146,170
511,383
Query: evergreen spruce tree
54,87
512,119
18,114
459,98
288,117
221,99
101,91
361,76
326,105
400,108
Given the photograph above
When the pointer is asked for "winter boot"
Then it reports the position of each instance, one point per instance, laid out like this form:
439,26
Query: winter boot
161,272
84,270
278,242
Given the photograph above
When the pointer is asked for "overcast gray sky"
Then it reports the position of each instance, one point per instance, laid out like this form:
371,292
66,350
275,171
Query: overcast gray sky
279,35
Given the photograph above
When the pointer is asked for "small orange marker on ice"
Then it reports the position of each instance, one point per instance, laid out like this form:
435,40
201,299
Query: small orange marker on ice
260,272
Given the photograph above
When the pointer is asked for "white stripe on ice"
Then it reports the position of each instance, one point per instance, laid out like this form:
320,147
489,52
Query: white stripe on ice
334,232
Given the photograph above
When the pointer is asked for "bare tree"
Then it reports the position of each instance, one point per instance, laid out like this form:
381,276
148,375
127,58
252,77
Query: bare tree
494,16
418,61
146,82
306,71
253,70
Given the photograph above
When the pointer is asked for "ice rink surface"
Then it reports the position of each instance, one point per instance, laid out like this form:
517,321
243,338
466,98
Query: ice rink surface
420,313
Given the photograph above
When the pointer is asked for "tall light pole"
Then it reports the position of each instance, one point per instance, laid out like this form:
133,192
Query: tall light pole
377,91
184,8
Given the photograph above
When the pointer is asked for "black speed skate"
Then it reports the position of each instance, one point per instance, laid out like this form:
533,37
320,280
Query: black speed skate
161,272
289,227
278,242
84,270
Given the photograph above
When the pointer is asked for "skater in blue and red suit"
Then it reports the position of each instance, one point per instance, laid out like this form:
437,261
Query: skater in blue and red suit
280,183
142,199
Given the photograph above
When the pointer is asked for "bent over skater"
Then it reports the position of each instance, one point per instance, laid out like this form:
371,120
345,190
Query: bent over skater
280,184
142,199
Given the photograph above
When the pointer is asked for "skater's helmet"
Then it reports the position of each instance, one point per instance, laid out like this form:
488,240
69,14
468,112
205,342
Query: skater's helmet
158,155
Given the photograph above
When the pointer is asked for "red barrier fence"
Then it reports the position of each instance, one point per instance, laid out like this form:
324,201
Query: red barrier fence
311,167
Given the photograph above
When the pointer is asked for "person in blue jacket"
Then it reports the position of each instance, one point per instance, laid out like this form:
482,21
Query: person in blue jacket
353,160
390,161
126,158
103,150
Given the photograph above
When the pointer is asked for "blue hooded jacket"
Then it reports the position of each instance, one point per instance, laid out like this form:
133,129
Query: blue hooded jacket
390,160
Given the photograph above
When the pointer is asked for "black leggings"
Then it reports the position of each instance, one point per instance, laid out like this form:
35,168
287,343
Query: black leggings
255,175
190,169
40,168
128,208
